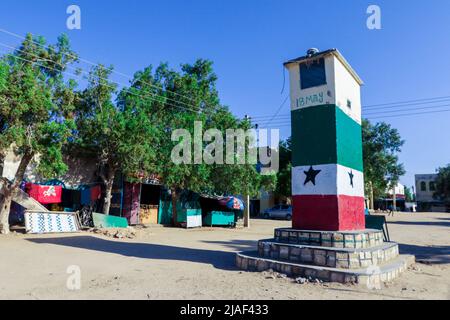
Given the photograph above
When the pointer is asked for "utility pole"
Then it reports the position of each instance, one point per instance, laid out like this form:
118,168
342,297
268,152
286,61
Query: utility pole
247,197
372,206
394,199
247,212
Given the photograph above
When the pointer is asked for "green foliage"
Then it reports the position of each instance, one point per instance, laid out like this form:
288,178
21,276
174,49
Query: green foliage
32,108
381,145
409,195
284,176
176,100
443,183
122,137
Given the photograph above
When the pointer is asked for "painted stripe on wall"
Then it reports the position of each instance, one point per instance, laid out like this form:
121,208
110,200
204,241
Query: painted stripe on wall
325,134
332,179
328,213
349,141
314,136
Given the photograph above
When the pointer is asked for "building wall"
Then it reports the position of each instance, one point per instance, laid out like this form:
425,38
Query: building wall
399,190
11,164
347,88
427,195
341,86
81,170
267,201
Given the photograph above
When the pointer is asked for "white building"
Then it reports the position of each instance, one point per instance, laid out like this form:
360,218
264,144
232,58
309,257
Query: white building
399,191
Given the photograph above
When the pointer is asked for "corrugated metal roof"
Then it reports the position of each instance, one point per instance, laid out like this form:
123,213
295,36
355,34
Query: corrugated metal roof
325,53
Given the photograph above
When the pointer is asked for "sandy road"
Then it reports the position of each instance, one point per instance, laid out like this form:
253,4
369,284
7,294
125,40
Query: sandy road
166,263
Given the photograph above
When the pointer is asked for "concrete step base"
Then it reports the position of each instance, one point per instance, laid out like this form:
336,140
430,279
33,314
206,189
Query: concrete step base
337,239
372,276
345,258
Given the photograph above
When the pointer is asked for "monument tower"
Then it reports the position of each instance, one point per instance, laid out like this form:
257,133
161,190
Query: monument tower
327,161
328,239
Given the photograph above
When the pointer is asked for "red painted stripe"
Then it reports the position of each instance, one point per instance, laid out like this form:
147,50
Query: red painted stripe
328,213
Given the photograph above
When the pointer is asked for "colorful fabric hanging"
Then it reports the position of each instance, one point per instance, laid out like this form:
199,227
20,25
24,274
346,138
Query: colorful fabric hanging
96,193
44,194
86,196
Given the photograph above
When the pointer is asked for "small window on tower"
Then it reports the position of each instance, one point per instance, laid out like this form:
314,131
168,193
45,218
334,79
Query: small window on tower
349,104
312,74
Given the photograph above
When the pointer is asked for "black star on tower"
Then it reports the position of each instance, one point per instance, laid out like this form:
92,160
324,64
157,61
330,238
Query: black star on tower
351,175
311,175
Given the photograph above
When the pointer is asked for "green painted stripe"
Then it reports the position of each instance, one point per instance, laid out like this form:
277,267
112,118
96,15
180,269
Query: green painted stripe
326,135
349,141
314,136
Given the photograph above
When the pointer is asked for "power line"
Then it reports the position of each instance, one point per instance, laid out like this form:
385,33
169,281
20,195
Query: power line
95,64
87,73
391,105
407,104
412,114
403,102
278,111
399,105
412,109
288,124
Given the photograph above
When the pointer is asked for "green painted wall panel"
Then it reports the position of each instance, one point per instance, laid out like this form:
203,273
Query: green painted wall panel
349,141
326,135
219,218
104,221
314,136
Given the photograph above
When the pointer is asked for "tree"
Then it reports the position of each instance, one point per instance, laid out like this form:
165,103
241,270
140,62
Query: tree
35,107
180,100
121,137
409,195
443,184
284,176
4,140
381,145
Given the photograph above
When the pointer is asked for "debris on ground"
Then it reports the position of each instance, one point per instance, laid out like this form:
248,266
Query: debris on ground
301,280
415,267
122,233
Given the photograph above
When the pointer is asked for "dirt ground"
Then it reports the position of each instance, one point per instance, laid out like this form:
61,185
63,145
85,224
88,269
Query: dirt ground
166,263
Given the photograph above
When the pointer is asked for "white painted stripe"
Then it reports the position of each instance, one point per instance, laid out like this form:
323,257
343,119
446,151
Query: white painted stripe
333,179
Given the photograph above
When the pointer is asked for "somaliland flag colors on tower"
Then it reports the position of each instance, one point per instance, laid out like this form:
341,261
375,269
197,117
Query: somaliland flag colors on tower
327,160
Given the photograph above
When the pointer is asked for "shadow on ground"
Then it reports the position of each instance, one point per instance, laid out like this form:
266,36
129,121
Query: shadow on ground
441,223
427,254
219,259
237,245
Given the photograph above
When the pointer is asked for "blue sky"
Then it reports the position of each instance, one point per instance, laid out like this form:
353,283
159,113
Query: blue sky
248,40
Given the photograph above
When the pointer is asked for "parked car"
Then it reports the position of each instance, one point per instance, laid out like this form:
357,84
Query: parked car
278,212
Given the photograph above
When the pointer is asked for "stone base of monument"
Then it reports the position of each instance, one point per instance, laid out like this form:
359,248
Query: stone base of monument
360,257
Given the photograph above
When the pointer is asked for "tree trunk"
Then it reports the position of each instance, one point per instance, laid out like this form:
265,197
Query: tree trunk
2,164
247,212
371,205
174,207
4,211
394,200
10,189
109,182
